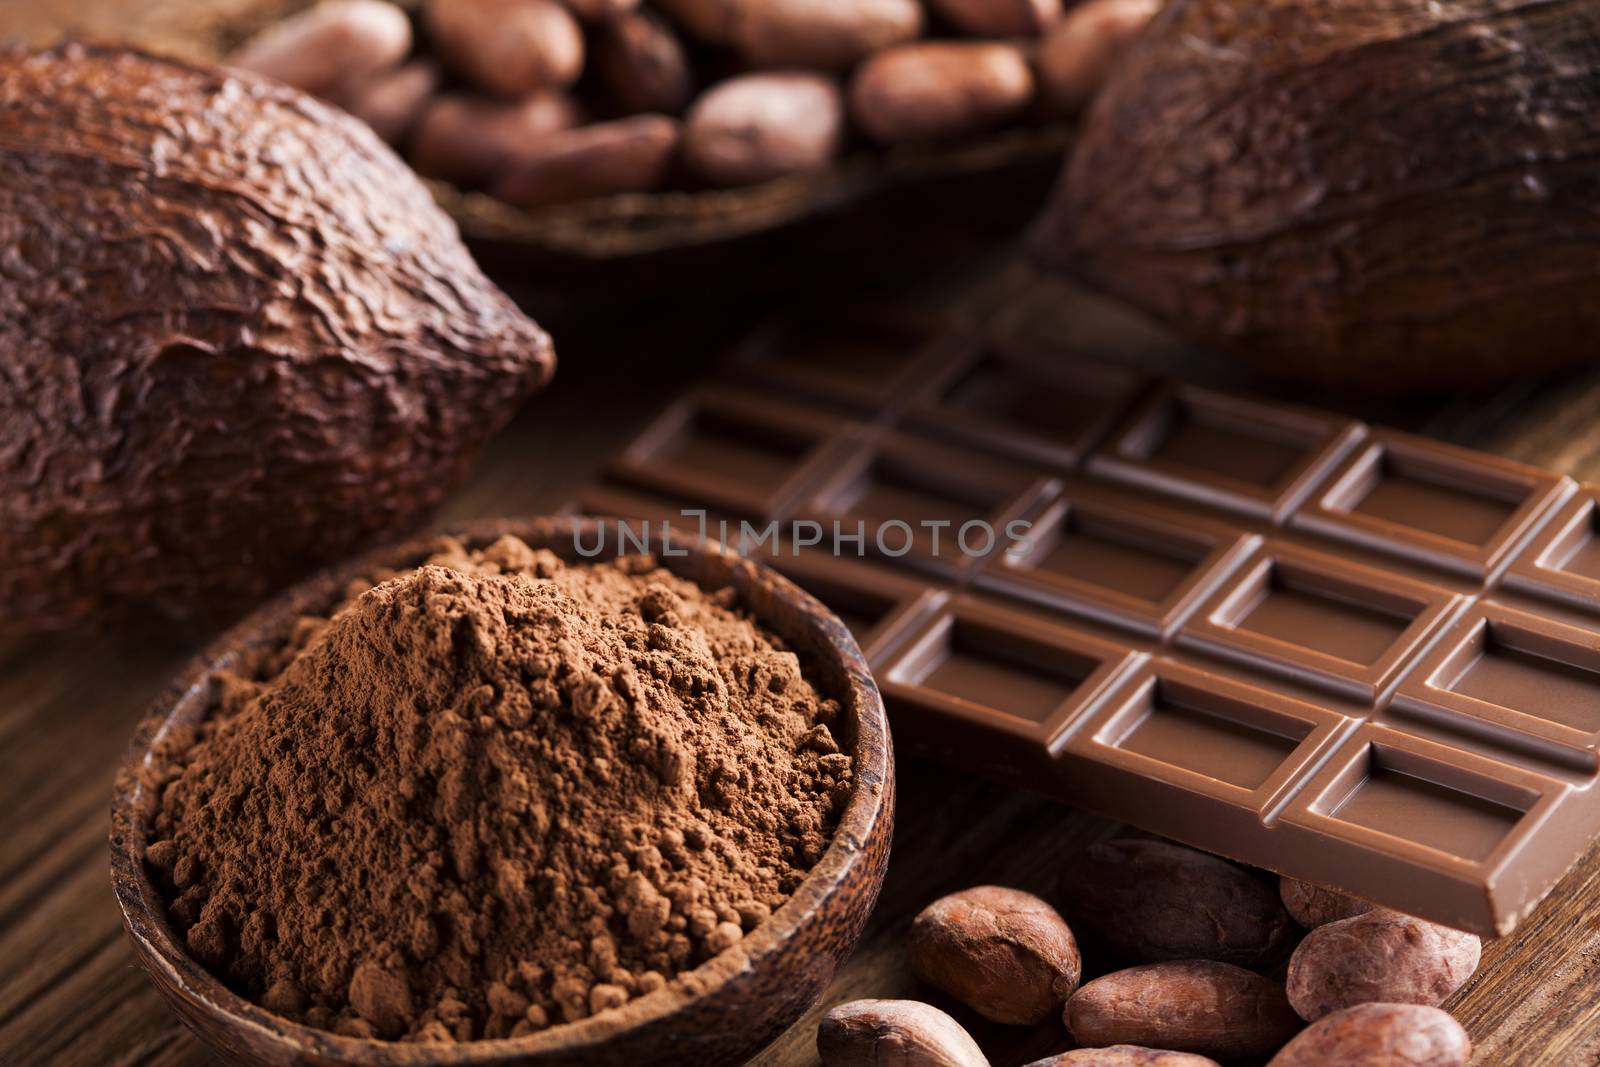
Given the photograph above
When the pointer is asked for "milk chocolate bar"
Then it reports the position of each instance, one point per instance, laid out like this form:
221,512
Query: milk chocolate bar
1345,654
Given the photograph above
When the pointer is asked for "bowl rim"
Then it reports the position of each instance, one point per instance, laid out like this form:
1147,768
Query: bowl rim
157,945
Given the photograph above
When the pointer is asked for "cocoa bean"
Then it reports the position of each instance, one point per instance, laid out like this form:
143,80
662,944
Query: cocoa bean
1215,1009
391,103
625,156
1379,957
825,34
643,64
937,90
1379,1035
894,1033
507,47
1002,952
1312,906
760,126
1079,52
326,49
1153,900
1124,1056
998,18
464,139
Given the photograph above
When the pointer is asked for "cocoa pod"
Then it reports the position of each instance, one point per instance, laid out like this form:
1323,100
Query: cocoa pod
998,18
1379,1035
625,156
1312,905
507,47
1124,1056
318,364
756,127
1379,957
1215,1009
1244,178
937,90
1079,53
1004,953
465,139
894,1033
392,102
824,34
1153,900
643,64
328,48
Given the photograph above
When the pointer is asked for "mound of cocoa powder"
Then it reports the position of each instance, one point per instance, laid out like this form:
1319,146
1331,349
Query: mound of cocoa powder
494,794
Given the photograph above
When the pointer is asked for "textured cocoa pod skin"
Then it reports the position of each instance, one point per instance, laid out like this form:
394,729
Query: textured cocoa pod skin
297,355
1124,1056
1153,900
821,34
1379,1035
1215,1009
1002,952
894,1033
626,156
1078,54
643,64
1379,957
507,47
1312,906
939,90
464,138
1243,178
998,18
392,102
755,127
329,48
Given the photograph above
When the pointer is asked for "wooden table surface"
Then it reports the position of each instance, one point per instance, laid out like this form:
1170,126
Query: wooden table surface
71,994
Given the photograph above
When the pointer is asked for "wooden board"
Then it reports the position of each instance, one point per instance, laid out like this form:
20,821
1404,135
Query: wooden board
71,996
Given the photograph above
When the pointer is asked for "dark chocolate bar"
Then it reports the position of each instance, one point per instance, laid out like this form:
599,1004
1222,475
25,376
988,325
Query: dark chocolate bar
1349,655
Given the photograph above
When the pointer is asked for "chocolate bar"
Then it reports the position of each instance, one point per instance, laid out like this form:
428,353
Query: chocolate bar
1346,654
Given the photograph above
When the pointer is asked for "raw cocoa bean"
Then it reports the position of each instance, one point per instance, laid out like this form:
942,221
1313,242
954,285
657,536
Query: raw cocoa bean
937,90
709,21
894,1033
998,18
825,34
1215,1009
1080,51
1312,906
643,64
599,10
1379,1035
1124,1056
391,103
464,139
326,49
761,126
1379,957
1004,953
507,47
1153,900
626,156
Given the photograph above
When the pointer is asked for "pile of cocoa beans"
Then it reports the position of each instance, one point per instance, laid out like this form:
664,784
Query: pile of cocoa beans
542,102
1216,961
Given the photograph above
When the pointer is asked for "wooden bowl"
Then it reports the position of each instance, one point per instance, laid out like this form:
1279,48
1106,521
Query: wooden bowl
720,1013
856,215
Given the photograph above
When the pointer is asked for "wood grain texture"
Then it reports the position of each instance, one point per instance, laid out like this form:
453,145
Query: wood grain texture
71,994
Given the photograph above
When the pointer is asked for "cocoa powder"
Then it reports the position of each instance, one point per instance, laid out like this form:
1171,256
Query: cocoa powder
493,794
